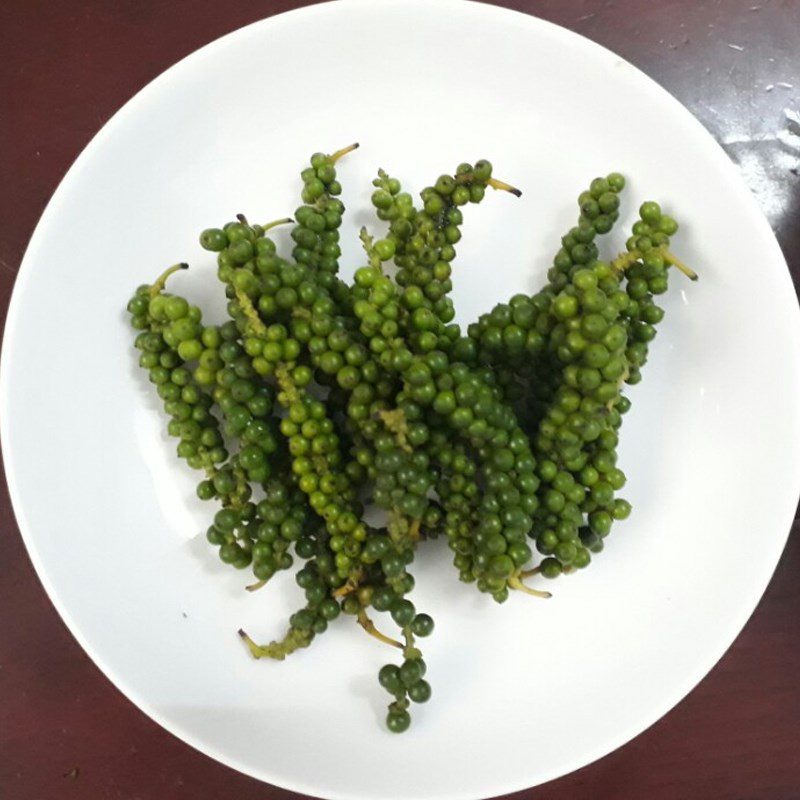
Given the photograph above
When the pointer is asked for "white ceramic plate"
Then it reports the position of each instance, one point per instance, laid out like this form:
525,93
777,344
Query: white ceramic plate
524,692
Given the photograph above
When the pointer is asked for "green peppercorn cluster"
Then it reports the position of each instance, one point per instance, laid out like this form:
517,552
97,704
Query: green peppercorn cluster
319,399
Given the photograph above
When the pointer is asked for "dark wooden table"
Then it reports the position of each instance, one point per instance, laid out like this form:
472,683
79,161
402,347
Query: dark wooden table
67,65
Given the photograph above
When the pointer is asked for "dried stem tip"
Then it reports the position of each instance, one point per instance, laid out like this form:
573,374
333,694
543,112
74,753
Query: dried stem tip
255,650
503,186
671,258
334,157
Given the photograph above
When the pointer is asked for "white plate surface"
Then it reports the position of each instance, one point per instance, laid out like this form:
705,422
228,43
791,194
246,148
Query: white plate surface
523,692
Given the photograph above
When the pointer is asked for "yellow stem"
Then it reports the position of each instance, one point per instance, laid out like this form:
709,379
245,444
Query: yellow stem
259,328
503,186
284,379
368,243
255,649
275,223
529,573
369,626
671,258
410,650
210,471
395,421
334,157
345,589
278,650
255,586
515,583
624,260
161,280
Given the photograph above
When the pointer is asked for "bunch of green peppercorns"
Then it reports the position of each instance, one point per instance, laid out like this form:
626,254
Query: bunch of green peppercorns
318,398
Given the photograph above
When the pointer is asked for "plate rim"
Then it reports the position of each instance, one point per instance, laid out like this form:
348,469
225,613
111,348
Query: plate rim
736,623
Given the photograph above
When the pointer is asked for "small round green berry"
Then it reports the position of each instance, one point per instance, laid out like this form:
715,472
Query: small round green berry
420,692
398,721
650,212
422,625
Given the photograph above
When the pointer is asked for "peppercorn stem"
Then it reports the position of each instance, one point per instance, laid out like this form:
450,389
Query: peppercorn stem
348,587
401,529
161,280
369,626
278,651
410,651
276,222
625,260
368,243
256,650
334,157
286,384
528,573
252,587
503,186
257,325
515,583
671,258
395,421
